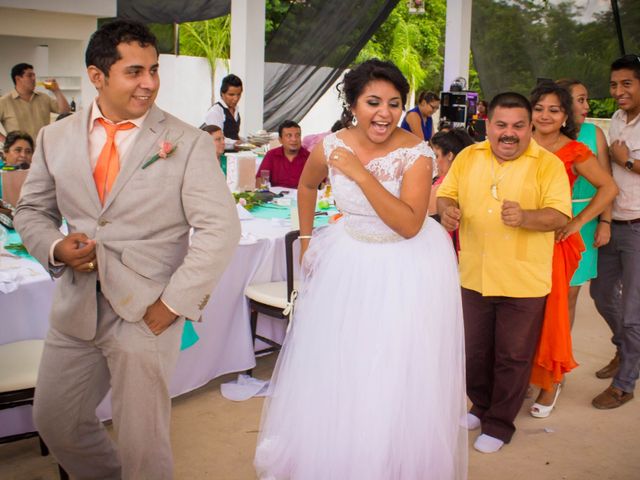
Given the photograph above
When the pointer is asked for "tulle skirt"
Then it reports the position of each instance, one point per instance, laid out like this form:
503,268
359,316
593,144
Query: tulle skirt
370,381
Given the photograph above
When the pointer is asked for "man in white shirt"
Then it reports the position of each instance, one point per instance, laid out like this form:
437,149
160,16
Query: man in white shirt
224,113
619,260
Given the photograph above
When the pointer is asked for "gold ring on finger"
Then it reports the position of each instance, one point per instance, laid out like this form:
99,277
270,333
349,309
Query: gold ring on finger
91,266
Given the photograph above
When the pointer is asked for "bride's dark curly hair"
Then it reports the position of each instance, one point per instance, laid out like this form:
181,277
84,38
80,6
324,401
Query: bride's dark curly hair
357,79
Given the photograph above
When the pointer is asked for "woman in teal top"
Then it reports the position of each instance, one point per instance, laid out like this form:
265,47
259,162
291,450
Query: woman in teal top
597,232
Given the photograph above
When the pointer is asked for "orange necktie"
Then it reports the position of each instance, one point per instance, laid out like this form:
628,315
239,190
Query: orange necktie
108,164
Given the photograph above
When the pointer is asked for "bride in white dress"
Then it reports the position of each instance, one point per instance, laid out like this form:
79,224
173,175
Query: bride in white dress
369,384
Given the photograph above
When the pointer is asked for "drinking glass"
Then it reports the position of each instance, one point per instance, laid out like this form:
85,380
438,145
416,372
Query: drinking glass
265,177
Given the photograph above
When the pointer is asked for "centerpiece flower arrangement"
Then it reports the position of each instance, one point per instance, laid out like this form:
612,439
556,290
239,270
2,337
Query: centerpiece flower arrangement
248,200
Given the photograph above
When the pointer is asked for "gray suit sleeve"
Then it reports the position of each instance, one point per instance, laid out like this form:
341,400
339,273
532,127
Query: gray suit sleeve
37,217
210,210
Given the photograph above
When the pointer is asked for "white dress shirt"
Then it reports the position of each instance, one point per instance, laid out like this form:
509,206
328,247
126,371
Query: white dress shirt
215,116
97,136
626,205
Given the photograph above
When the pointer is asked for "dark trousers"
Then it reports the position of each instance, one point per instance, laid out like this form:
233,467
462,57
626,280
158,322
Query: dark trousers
616,293
501,335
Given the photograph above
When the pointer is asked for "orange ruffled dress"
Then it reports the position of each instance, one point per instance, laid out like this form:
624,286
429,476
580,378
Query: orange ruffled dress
554,355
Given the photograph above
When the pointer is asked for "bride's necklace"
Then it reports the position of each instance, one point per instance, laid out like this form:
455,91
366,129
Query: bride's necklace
495,180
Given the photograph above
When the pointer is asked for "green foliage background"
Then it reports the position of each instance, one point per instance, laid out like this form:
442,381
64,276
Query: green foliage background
413,42
517,41
514,42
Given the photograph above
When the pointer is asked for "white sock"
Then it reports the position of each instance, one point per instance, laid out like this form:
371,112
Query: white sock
487,444
473,422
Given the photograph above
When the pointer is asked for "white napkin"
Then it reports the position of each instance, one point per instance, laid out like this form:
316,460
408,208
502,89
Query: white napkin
244,388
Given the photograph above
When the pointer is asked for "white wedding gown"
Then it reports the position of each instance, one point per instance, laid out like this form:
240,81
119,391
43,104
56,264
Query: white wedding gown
370,383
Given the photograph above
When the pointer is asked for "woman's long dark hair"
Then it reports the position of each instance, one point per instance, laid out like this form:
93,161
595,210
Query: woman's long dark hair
570,128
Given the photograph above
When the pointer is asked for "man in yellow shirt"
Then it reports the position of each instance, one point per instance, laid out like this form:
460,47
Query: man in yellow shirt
507,195
25,109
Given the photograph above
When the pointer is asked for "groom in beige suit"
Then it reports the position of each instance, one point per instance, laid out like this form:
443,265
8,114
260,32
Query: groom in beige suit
132,182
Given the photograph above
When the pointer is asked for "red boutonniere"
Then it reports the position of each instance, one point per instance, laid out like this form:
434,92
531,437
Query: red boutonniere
166,150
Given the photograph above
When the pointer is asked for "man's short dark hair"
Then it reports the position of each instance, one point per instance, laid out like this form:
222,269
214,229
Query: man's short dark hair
287,124
18,70
102,51
628,62
230,81
509,100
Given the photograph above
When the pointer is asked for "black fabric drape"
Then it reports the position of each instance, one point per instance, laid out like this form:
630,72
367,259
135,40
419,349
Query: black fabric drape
516,42
172,11
311,48
313,44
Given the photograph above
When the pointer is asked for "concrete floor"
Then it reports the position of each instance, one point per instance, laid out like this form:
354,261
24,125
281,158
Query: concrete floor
214,438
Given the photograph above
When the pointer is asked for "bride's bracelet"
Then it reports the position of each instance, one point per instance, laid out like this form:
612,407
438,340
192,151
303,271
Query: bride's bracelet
304,236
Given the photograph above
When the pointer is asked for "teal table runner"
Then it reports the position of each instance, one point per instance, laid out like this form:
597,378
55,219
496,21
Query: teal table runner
269,210
14,238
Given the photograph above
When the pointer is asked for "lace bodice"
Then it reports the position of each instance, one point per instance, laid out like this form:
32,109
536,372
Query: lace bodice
361,220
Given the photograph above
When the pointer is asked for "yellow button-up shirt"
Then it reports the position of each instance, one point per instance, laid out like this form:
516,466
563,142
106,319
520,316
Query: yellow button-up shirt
497,260
27,116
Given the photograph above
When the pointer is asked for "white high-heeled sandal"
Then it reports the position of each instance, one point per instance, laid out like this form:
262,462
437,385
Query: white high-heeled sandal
543,411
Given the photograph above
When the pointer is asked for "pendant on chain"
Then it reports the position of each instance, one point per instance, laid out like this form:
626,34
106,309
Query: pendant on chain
494,191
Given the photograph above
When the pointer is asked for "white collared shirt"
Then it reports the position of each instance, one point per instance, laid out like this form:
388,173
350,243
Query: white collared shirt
215,116
98,135
626,205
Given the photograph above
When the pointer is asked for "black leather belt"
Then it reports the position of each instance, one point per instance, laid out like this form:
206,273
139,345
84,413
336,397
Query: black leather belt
626,222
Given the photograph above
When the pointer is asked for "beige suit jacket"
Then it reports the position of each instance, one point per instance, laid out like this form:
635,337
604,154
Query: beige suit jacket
144,249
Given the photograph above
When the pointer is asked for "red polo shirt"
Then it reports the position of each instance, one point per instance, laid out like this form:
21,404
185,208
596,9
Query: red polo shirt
283,173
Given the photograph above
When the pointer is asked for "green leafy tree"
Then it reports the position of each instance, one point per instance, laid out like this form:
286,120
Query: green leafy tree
413,42
516,42
210,39
276,11
406,56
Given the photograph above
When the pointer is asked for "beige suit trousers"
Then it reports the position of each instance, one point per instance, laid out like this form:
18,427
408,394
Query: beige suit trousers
74,377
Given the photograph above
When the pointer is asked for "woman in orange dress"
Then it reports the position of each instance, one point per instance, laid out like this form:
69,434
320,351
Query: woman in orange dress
555,130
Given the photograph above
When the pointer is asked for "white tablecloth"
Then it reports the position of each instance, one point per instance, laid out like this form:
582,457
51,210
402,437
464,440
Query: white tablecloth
225,338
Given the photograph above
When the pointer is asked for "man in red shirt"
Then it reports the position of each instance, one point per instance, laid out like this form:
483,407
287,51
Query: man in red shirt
285,163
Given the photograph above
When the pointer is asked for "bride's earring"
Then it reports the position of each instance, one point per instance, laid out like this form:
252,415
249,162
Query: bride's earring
354,121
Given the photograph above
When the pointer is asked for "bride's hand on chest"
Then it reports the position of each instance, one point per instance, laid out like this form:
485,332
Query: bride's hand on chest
348,164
